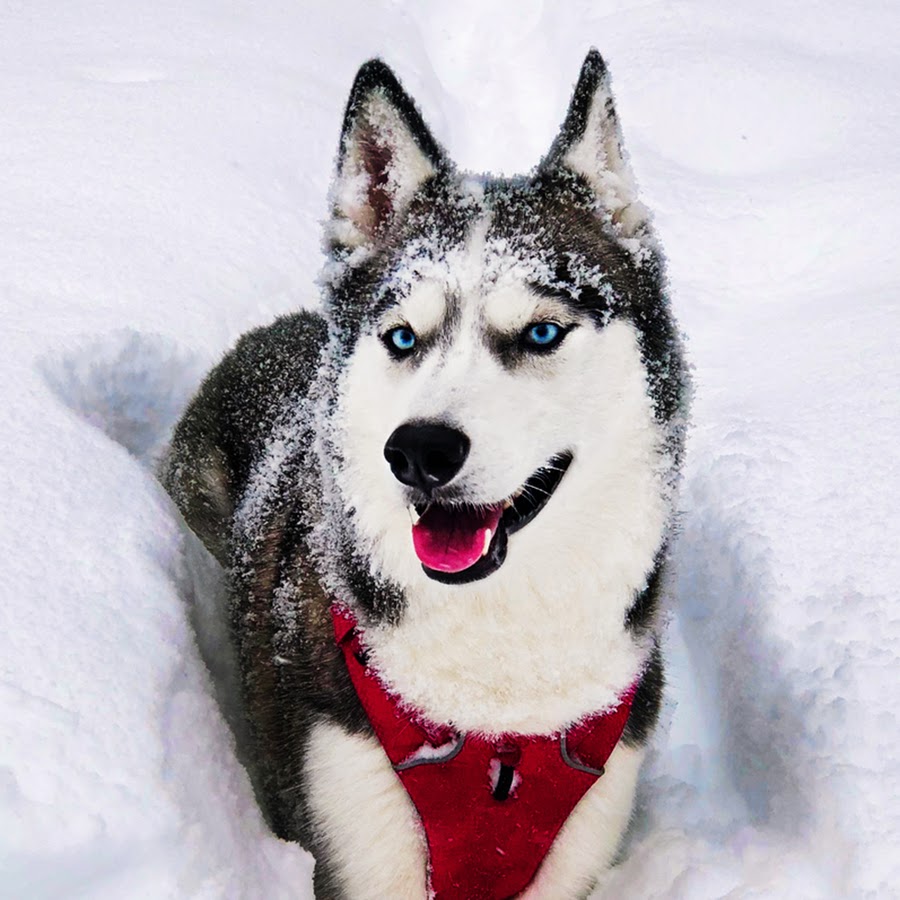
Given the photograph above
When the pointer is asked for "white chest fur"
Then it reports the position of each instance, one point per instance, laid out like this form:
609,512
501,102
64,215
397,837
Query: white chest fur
522,661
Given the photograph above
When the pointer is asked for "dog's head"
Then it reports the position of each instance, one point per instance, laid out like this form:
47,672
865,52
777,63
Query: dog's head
507,375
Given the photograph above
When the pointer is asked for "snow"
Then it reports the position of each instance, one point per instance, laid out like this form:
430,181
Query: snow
164,170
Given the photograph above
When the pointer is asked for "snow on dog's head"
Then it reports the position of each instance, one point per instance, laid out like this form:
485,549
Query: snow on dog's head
506,377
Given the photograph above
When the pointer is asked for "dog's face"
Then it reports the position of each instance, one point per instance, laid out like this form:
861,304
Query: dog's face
502,408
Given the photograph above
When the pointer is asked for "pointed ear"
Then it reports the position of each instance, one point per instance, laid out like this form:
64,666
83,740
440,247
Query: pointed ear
386,154
590,144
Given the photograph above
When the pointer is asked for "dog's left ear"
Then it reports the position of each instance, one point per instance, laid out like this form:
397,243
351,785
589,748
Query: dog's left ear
386,154
590,144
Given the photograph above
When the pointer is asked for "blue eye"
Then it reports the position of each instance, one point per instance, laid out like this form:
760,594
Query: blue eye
400,341
543,335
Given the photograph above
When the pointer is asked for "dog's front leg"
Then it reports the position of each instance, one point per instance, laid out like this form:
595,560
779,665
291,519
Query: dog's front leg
363,818
590,839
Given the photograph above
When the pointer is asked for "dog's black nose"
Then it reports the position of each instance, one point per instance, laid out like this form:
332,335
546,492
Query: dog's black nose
426,455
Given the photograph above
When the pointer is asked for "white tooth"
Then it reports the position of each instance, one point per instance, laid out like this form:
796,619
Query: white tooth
507,504
487,541
414,515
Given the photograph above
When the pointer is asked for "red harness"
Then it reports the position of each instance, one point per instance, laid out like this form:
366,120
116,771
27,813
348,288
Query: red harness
490,807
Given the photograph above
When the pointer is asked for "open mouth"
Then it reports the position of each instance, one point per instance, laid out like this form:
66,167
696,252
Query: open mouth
460,544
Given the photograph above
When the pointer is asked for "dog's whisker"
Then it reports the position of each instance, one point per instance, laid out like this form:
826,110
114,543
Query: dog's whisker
292,789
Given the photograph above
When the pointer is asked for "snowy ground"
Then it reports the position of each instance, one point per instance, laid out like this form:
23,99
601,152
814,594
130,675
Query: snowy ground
163,168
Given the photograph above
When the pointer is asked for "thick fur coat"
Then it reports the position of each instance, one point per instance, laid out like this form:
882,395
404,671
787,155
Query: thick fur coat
525,319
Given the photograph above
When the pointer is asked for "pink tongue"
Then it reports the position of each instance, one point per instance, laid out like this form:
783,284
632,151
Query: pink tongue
452,540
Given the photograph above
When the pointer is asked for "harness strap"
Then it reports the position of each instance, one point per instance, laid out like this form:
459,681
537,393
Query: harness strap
490,807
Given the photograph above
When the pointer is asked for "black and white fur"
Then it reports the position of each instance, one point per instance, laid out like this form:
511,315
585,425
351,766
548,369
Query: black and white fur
278,465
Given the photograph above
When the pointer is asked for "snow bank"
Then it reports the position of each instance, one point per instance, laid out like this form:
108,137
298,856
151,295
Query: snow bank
164,170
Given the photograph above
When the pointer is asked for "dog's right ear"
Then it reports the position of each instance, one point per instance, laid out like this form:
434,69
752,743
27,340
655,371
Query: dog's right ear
386,154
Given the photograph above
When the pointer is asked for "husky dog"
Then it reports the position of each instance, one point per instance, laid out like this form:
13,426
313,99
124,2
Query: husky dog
444,505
